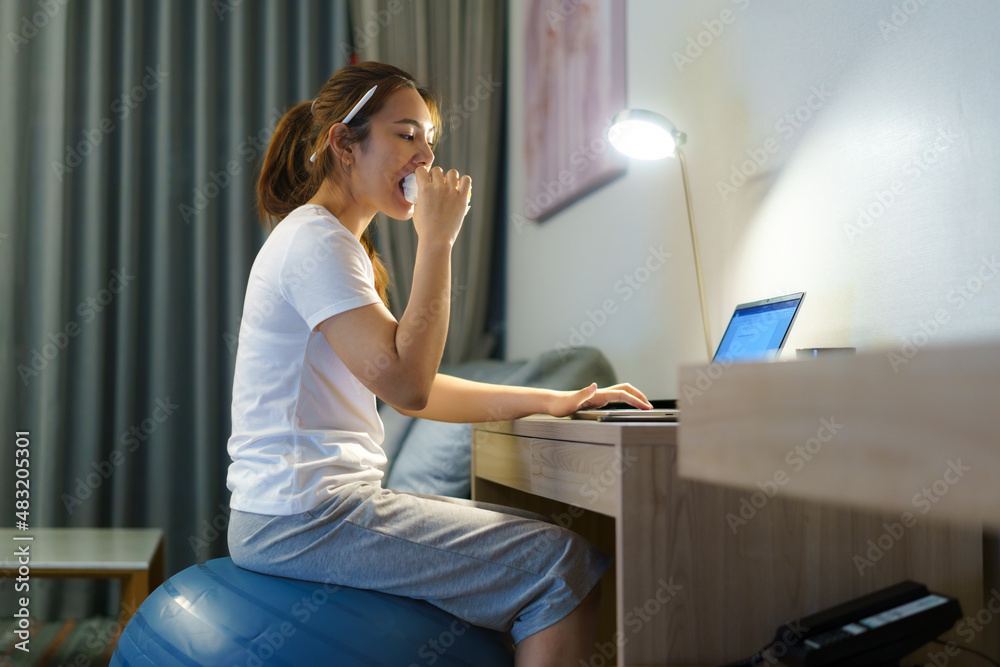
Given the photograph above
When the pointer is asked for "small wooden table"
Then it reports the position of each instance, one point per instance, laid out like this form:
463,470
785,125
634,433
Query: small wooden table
134,555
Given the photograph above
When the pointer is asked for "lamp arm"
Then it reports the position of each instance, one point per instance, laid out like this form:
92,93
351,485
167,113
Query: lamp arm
697,257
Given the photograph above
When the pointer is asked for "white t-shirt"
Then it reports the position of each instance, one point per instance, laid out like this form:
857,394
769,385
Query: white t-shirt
302,423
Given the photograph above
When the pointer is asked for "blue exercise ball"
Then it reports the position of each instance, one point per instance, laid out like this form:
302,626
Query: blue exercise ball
217,613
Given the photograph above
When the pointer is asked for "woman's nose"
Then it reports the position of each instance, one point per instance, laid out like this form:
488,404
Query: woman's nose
426,155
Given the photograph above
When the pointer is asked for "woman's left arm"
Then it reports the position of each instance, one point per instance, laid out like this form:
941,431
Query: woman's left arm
457,400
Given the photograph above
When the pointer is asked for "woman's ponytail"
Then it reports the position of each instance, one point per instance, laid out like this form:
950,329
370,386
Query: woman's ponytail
381,274
285,181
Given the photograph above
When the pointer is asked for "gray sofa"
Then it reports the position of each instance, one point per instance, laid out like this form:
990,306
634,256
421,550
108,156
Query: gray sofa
435,457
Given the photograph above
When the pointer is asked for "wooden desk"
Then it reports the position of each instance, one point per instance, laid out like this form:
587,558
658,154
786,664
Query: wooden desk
914,433
689,585
133,555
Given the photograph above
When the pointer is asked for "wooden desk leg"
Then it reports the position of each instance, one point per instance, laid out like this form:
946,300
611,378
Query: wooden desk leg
135,589
156,568
137,586
646,595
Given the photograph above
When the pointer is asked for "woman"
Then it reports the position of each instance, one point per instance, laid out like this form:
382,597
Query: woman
318,344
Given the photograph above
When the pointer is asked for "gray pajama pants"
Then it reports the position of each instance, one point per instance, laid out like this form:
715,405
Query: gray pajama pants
489,565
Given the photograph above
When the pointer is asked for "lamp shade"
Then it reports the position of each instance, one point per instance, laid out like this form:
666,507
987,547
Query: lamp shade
644,135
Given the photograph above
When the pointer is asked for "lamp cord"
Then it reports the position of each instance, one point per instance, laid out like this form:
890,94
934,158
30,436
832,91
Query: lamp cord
756,659
970,650
753,661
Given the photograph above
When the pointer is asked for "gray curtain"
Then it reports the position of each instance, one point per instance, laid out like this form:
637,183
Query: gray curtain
458,48
131,134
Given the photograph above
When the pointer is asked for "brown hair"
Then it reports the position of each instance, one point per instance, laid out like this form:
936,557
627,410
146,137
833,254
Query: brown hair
288,179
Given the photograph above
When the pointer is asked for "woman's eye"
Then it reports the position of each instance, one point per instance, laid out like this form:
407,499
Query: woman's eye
408,137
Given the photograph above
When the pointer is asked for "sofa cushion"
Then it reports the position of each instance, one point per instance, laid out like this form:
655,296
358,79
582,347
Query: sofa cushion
436,460
397,427
493,371
435,457
565,369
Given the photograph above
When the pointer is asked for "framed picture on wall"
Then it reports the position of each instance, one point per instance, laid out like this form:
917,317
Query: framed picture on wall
574,78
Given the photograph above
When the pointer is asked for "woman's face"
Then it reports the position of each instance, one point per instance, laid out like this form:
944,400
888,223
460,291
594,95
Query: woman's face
401,134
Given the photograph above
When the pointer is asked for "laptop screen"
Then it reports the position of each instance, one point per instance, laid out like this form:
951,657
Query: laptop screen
757,330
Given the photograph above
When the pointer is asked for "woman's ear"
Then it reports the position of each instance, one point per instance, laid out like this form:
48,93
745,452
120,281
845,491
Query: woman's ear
340,142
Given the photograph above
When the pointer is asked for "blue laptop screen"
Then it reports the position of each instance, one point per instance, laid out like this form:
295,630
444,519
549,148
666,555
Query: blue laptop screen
756,333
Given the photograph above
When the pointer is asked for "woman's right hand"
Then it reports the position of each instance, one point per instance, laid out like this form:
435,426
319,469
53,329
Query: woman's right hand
442,204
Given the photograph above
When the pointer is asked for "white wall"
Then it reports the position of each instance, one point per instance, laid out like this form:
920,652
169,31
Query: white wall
905,96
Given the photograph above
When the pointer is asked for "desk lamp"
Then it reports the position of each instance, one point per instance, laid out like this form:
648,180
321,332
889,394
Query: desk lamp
646,135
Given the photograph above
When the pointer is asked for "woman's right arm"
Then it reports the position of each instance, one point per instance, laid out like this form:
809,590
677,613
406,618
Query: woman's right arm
397,361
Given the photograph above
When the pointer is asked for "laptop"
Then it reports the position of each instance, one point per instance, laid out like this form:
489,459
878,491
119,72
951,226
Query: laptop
757,331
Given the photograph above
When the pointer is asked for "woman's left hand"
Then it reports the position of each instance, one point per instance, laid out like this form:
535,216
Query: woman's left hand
567,402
